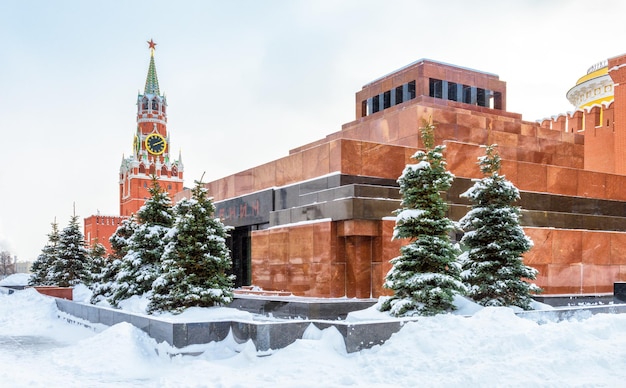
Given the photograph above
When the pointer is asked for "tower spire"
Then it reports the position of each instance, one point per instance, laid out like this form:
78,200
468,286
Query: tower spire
152,81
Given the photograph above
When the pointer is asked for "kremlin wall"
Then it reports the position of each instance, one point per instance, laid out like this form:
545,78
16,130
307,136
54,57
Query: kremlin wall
319,221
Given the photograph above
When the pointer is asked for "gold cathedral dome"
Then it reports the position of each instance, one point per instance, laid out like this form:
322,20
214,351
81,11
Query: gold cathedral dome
594,88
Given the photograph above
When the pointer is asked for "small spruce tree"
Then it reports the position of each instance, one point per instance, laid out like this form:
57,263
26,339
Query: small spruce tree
104,281
426,276
495,241
42,267
97,260
196,259
72,262
142,263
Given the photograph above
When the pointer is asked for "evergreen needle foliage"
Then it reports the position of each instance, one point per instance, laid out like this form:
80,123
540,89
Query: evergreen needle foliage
71,266
426,276
141,264
104,280
97,261
196,258
42,267
495,241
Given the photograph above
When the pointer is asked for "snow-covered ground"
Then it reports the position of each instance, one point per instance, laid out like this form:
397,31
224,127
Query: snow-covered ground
492,348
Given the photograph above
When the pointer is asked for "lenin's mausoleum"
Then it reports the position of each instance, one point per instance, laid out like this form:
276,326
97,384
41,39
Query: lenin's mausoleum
318,222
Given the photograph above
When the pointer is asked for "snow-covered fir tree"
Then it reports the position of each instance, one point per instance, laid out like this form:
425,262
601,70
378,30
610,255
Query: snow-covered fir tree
97,261
495,241
196,259
142,263
426,276
71,266
104,280
42,267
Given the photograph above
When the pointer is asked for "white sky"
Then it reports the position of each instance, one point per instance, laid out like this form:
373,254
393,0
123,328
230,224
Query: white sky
245,80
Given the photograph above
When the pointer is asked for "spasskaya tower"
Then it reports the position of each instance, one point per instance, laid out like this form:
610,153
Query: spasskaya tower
151,155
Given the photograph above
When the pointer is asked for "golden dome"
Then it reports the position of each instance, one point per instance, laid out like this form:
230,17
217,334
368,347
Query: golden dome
594,88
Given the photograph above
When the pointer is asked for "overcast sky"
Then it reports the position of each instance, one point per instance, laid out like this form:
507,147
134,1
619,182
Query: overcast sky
246,81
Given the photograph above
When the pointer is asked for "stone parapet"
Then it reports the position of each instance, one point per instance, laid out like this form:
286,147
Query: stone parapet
268,336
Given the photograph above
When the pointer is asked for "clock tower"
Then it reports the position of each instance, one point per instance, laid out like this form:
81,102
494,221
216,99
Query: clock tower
151,154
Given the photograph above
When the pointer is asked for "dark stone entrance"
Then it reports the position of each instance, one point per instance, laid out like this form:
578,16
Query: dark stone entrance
239,245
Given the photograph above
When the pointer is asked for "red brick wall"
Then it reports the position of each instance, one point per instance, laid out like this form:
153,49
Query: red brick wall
100,229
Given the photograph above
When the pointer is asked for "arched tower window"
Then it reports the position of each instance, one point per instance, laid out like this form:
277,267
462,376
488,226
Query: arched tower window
142,169
175,171
155,104
152,170
144,104
164,171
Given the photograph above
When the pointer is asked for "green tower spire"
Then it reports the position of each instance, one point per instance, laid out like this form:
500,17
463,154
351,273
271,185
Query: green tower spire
152,81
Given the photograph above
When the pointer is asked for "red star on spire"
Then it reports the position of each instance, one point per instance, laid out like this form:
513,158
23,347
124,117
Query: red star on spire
151,44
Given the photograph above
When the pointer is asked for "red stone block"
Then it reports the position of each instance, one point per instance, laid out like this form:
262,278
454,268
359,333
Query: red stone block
289,169
512,126
541,252
503,139
324,242
261,277
358,268
244,182
320,280
279,278
338,280
541,280
561,180
265,176
441,117
599,278
378,279
351,157
615,187
57,292
408,123
528,142
471,121
596,248
382,131
316,161
527,129
462,159
380,160
508,168
443,132
618,248
532,177
591,184
477,136
358,228
408,141
621,276
354,133
259,242
544,133
565,278
278,246
301,240
566,246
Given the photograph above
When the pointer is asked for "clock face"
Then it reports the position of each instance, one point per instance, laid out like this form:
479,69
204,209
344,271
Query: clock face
155,144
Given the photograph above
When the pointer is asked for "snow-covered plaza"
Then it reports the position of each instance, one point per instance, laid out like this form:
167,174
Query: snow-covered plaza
491,348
